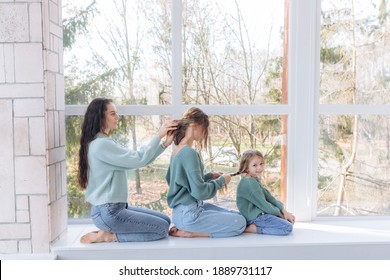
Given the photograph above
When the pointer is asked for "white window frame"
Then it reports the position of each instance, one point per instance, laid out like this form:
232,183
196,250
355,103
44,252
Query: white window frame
303,109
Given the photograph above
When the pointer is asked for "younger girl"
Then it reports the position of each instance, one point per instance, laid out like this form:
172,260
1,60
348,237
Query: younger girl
264,214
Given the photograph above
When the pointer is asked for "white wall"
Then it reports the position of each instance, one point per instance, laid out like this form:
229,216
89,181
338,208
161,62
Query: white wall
33,207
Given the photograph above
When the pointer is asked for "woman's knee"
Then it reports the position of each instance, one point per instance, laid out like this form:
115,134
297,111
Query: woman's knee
163,229
239,224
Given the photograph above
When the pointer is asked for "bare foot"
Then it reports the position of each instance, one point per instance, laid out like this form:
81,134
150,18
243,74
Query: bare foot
174,231
98,237
251,229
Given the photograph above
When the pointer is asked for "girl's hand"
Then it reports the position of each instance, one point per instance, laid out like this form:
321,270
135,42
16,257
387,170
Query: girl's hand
289,217
215,175
170,126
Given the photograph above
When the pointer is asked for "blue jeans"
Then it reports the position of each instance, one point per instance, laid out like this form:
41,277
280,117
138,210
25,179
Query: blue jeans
273,225
130,223
208,218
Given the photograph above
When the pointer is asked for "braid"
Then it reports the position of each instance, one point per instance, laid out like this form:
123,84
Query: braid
236,173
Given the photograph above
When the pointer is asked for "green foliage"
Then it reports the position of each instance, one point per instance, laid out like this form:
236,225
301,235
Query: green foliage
73,133
344,126
77,206
383,12
94,85
331,55
323,181
333,147
157,205
72,27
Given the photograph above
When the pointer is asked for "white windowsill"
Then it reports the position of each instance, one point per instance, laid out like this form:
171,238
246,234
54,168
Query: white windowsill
323,239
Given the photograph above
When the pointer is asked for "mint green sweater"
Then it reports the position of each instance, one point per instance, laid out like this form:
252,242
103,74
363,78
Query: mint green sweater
187,181
253,199
108,162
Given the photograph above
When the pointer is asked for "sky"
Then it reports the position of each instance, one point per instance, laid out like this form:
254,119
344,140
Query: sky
260,17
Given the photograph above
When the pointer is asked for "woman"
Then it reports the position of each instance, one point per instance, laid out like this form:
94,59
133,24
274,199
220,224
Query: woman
189,186
102,172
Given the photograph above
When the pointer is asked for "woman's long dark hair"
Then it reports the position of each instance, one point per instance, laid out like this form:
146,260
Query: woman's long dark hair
93,124
197,116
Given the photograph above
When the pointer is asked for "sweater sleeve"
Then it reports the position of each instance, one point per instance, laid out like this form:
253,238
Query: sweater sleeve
198,187
119,157
271,199
208,176
255,194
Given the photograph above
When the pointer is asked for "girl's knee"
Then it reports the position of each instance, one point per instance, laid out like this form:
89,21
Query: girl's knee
288,229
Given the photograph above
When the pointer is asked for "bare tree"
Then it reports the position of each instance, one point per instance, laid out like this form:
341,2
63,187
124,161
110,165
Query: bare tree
122,39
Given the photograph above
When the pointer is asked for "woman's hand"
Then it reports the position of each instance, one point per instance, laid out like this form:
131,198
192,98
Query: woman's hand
169,126
169,139
215,175
227,178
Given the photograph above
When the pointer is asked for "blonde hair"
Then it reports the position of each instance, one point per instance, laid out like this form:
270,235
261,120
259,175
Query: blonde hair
245,159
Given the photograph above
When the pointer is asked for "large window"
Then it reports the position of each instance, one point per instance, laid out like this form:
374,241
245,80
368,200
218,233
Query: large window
166,56
231,58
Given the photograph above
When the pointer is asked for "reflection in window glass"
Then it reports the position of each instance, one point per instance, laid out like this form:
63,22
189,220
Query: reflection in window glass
355,50
354,160
124,50
232,51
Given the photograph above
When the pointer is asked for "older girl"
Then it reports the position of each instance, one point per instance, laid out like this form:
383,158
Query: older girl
189,185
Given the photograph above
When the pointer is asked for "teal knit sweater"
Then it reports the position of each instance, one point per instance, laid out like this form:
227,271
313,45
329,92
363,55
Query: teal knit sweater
187,181
108,162
253,199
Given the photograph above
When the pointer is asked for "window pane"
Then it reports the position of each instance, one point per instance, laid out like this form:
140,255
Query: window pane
124,51
354,164
232,51
230,136
355,51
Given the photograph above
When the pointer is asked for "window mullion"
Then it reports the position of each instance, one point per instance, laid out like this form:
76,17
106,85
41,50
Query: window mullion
303,97
177,38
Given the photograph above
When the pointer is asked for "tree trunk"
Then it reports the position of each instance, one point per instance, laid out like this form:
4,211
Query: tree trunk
348,164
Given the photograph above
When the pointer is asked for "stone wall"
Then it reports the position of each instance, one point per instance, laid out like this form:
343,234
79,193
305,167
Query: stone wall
33,203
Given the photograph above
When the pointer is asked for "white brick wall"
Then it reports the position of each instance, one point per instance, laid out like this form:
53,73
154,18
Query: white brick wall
2,64
33,202
28,63
30,175
14,22
7,182
8,64
22,147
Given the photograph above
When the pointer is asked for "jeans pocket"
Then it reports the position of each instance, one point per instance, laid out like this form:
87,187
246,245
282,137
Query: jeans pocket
113,208
192,213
